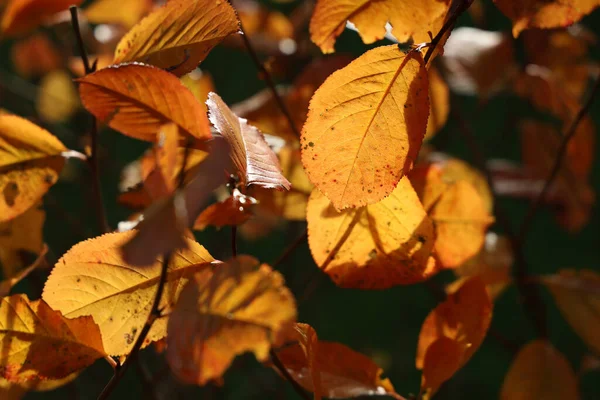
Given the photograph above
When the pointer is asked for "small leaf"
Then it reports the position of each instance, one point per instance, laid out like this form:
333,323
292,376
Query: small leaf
137,99
407,17
179,35
365,126
373,247
256,163
30,161
39,342
577,295
463,318
234,210
225,311
22,16
93,279
539,371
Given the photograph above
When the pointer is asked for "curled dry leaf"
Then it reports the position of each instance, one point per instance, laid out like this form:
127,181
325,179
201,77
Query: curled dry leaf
254,160
93,279
333,370
463,318
22,16
408,18
40,343
527,14
30,162
225,311
137,99
372,247
130,11
179,35
365,126
577,295
539,371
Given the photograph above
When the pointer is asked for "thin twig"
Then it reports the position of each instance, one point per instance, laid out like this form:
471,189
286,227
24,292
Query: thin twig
155,313
283,371
290,249
93,156
568,135
462,6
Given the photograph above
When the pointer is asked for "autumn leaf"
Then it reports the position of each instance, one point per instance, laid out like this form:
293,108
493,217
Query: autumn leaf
35,56
225,311
16,391
373,247
577,295
528,14
57,99
160,172
256,163
408,18
130,11
93,279
137,99
6,285
331,369
179,35
464,319
539,371
21,16
234,210
365,126
200,84
439,97
39,342
31,159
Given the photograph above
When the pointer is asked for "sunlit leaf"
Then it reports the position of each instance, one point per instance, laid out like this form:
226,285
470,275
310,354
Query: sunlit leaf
439,97
93,279
30,161
39,342
463,318
225,311
373,247
23,233
407,17
22,16
254,160
539,371
365,126
200,84
234,210
57,97
130,11
179,35
138,99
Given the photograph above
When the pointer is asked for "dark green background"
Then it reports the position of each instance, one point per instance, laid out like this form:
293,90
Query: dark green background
383,324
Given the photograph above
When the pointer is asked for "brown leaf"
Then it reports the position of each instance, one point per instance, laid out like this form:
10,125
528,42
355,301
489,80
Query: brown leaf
234,210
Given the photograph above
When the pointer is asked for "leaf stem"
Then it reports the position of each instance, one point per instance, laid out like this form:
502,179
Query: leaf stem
463,5
93,157
283,371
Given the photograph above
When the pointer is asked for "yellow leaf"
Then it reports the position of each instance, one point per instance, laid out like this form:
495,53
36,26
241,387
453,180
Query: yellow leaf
39,342
57,99
137,99
30,161
228,310
365,126
200,84
439,97
527,14
577,295
541,372
22,16
179,35
92,279
407,17
463,318
130,11
255,161
16,391
373,247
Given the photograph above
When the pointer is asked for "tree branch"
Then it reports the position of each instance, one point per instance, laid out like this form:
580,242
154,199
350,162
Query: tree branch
92,160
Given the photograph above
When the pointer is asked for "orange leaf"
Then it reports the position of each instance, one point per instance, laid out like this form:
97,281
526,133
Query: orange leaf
463,318
527,14
439,97
35,56
339,371
160,172
39,342
200,84
539,371
30,160
179,35
234,210
577,295
137,99
373,247
233,308
408,18
21,16
93,279
256,163
130,11
365,126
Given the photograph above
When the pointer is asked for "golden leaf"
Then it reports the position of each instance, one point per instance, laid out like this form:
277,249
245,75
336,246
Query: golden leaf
129,11
57,99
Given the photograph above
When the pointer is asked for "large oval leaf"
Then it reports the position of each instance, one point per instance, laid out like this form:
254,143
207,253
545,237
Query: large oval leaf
179,35
30,161
365,126
137,99
92,279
